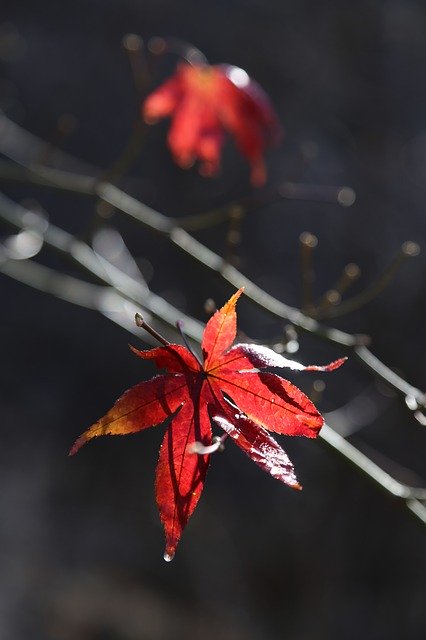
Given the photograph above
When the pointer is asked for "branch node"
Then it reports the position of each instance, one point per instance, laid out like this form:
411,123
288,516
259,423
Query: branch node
410,249
139,321
210,306
132,42
346,196
362,340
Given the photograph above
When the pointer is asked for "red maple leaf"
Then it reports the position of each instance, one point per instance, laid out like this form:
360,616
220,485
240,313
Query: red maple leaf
206,101
229,389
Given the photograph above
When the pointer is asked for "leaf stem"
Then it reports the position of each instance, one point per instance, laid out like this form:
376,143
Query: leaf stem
179,326
140,322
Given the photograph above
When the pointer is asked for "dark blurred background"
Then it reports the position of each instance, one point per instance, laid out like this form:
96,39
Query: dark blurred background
80,539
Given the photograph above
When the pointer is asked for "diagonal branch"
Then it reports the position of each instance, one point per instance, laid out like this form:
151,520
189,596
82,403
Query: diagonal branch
414,498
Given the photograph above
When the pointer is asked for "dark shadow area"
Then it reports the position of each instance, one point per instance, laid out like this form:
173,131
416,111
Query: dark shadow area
81,543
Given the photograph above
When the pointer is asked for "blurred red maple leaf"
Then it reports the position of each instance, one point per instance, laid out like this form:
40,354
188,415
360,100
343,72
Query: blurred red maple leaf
206,101
229,389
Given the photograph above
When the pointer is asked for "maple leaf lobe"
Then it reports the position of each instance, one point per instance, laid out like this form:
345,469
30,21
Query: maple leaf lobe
220,331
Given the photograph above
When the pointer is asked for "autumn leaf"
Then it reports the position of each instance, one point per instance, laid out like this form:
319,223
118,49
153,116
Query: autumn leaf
205,102
228,389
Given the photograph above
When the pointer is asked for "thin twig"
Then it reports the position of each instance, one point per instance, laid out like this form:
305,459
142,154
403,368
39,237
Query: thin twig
308,242
408,250
254,202
159,46
134,46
